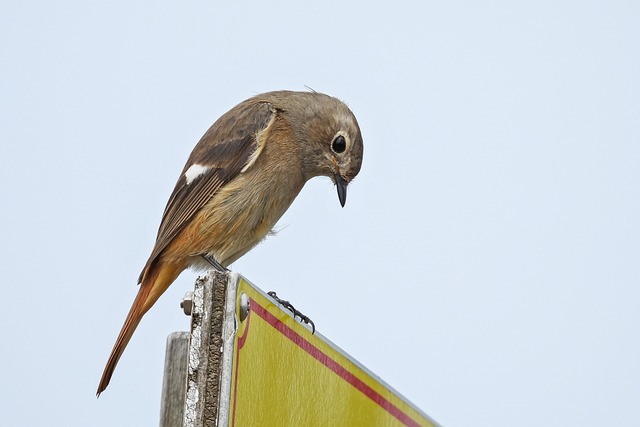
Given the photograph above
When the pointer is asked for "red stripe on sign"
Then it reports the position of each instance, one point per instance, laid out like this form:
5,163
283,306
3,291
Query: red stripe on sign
327,361
241,340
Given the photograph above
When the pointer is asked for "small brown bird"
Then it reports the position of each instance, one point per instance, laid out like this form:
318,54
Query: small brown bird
239,180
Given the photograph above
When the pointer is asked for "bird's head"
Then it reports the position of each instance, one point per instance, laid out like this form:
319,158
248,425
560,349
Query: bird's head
331,141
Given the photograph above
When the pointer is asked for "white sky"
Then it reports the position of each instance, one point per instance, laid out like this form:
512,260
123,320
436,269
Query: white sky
486,264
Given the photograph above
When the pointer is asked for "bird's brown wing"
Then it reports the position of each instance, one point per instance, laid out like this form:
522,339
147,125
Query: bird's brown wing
224,150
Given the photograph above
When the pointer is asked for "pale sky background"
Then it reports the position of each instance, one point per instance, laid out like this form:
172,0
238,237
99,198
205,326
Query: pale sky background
486,264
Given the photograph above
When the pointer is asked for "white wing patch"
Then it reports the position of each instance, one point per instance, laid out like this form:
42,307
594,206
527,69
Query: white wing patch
195,171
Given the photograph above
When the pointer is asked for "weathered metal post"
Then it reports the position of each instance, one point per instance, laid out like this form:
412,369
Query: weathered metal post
174,384
212,332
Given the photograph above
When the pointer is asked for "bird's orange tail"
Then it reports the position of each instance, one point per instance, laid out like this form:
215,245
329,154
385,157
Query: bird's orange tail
155,281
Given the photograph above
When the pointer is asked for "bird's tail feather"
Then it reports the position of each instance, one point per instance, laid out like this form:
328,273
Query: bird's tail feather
155,281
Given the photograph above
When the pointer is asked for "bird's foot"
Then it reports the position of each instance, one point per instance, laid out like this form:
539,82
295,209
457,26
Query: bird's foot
296,312
211,260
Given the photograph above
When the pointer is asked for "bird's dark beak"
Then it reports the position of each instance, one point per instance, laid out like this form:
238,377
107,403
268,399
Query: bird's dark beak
341,184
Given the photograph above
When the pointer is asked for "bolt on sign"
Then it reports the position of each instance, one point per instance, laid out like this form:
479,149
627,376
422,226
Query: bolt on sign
275,372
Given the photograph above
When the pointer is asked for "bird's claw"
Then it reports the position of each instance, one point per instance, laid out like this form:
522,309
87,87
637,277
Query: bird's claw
296,312
211,260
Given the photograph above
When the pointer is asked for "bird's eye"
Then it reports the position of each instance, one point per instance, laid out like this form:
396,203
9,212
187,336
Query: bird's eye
339,144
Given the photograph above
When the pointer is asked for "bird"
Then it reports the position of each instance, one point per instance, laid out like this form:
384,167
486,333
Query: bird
240,178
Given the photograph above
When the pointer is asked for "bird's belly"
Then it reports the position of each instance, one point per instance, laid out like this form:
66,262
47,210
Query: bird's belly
241,215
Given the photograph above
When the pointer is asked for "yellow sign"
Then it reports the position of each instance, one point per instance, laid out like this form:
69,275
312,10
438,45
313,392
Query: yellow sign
283,375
